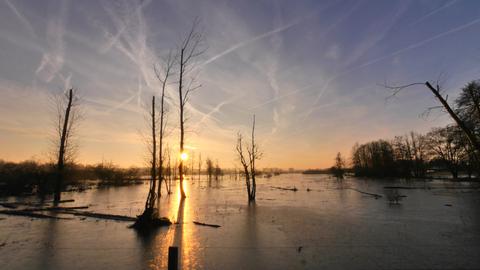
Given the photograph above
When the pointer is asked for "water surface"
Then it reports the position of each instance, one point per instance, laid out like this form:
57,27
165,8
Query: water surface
331,226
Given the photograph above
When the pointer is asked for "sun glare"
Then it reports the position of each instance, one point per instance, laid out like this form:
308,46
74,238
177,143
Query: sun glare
183,156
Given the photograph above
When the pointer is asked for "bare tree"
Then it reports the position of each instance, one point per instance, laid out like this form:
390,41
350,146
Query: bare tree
339,167
210,168
446,146
168,184
67,120
192,166
245,165
252,153
218,171
418,144
163,79
199,165
152,195
149,218
189,50
469,133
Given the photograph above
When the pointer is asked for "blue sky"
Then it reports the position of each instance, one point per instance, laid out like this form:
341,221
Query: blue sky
311,71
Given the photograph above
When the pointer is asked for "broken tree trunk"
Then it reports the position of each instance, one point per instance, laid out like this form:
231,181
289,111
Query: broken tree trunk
61,151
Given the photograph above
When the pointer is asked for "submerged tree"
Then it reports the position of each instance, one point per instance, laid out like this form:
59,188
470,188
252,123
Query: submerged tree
189,50
410,154
374,159
163,79
149,217
446,146
66,122
247,159
209,164
218,171
339,167
169,170
152,195
199,165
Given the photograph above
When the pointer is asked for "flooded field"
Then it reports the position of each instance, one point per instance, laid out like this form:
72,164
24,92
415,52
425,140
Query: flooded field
326,224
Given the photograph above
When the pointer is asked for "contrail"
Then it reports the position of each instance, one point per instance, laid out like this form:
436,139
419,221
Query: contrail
216,109
53,59
22,18
121,29
418,44
244,43
395,53
261,36
433,12
281,96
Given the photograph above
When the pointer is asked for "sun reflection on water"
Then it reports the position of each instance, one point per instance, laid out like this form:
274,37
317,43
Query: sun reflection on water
179,234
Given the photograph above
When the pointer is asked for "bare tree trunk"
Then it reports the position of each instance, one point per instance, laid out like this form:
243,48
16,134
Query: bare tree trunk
149,204
252,161
471,137
182,131
61,152
199,165
189,50
167,71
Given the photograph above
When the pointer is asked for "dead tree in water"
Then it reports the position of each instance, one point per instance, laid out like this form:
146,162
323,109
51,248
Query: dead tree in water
188,51
149,218
253,154
163,79
192,166
199,165
169,172
67,120
209,164
152,195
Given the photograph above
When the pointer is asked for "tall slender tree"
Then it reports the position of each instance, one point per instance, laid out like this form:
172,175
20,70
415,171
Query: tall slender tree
152,195
163,79
189,50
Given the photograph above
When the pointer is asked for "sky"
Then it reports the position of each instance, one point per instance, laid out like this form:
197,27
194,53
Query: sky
312,72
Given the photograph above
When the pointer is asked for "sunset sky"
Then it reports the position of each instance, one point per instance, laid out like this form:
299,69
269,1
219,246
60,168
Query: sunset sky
311,72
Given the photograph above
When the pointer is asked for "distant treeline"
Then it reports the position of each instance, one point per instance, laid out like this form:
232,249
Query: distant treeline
38,178
453,148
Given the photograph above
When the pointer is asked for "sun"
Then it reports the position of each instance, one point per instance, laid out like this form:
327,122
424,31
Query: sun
183,156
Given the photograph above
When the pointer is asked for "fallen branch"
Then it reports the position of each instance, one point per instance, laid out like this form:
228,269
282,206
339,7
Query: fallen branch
55,208
14,205
294,189
98,215
28,214
367,193
205,224
404,187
